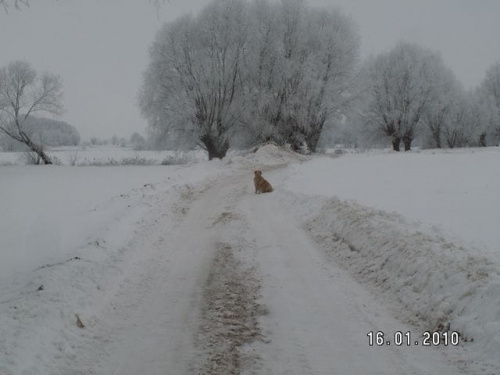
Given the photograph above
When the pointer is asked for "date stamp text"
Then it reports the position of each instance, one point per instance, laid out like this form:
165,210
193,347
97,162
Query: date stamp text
400,338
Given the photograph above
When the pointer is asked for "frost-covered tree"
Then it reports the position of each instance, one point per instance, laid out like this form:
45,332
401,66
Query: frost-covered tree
401,86
246,72
489,92
22,93
485,120
137,141
300,69
467,120
457,128
491,84
447,96
192,90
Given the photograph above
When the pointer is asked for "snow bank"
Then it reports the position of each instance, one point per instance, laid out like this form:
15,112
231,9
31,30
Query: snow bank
267,155
438,281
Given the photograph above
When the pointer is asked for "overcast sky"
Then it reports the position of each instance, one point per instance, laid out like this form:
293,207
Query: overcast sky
100,47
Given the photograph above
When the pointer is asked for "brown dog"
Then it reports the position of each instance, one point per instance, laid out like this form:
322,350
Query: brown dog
261,184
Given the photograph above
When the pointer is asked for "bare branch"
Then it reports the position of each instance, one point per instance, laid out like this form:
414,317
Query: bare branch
21,94
18,4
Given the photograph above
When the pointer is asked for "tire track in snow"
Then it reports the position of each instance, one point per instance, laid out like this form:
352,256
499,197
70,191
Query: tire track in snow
229,315
189,304
231,301
149,323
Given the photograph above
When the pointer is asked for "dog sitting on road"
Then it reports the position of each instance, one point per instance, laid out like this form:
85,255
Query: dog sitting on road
261,184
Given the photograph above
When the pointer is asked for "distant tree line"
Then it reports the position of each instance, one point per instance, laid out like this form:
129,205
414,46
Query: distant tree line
136,141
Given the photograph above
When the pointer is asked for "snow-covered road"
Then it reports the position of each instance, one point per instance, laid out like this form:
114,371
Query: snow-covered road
232,284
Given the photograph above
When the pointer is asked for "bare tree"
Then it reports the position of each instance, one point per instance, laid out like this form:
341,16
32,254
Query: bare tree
22,93
17,4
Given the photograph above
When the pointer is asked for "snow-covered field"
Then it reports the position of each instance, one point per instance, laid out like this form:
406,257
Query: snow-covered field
182,269
108,156
456,192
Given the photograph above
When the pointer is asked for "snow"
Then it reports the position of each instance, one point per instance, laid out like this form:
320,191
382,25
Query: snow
108,156
362,210
454,191
182,269
69,230
51,209
319,318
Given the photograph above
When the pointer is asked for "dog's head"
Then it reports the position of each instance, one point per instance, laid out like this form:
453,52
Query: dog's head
258,173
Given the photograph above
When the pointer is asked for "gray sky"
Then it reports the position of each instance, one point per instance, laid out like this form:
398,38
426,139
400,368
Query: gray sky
100,48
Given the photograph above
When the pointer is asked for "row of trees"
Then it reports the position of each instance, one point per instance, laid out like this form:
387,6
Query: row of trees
136,141
244,72
409,92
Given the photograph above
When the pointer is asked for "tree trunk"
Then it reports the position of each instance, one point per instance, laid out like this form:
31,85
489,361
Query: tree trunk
38,149
216,148
407,143
313,139
395,143
436,135
482,140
